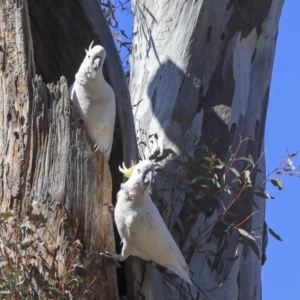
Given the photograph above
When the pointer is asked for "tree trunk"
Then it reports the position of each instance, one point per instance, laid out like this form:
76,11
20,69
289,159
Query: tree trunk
200,75
47,165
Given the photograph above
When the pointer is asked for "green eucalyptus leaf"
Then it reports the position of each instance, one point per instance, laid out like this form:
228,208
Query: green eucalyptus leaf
168,151
179,223
227,190
5,293
246,159
7,215
245,234
206,167
221,162
54,290
293,154
162,157
208,158
153,157
264,195
219,167
250,157
235,172
277,182
215,182
197,179
275,235
250,240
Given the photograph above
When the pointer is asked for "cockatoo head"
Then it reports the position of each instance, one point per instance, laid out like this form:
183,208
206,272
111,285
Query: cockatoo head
92,64
141,178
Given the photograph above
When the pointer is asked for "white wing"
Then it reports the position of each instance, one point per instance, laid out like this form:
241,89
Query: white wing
149,234
95,100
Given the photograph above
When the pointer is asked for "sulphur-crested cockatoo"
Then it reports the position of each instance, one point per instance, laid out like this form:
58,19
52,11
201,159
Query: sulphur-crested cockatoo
141,227
95,100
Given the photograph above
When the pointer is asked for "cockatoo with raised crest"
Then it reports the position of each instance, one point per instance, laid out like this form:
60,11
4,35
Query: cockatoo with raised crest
95,100
143,232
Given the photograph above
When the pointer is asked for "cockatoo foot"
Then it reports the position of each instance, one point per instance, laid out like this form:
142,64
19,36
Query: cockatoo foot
110,206
112,256
96,148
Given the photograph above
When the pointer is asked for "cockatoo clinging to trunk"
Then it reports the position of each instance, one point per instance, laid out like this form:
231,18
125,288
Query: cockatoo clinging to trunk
141,227
95,100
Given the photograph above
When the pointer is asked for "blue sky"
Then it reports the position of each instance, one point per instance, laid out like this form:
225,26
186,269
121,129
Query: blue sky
280,275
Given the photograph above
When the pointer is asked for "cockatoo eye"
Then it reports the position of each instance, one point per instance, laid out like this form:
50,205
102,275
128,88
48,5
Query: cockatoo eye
139,171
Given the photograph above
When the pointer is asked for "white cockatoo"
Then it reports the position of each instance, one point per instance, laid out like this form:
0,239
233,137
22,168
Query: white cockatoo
95,100
143,232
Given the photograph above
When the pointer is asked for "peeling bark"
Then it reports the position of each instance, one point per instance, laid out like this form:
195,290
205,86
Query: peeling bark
47,165
69,183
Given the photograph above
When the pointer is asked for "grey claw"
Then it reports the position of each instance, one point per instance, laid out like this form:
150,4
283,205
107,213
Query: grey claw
111,256
110,207
96,148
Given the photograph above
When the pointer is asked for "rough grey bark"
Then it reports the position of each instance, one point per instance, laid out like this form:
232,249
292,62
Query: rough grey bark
16,69
47,165
200,74
69,184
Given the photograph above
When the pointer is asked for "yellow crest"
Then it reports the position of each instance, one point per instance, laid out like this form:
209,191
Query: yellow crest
86,51
127,172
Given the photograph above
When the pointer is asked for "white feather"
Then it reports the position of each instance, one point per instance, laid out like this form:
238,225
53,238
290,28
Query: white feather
141,227
95,100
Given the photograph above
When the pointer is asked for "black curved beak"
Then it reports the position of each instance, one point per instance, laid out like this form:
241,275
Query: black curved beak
148,177
96,63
